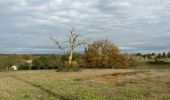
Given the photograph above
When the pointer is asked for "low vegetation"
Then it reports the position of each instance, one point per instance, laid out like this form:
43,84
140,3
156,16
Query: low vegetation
89,84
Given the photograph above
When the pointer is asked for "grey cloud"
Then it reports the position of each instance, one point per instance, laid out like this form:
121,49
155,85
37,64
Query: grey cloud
140,24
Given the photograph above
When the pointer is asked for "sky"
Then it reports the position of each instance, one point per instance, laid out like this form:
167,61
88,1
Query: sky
133,25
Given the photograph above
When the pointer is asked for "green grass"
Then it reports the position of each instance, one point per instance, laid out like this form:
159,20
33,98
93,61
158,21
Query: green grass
165,98
84,85
77,79
135,92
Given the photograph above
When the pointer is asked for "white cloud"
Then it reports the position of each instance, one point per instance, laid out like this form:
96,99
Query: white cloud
127,48
120,4
58,1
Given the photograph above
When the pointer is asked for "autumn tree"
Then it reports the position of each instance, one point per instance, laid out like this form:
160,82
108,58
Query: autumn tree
164,55
159,56
168,55
103,54
139,54
153,54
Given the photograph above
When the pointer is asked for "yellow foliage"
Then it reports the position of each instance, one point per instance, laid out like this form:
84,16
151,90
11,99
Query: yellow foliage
71,64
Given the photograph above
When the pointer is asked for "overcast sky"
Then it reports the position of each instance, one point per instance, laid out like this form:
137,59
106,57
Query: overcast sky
134,25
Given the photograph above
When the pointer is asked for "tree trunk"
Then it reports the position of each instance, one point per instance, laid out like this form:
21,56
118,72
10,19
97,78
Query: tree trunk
71,56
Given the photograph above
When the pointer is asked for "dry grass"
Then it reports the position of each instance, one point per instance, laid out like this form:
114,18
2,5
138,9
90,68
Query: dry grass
105,84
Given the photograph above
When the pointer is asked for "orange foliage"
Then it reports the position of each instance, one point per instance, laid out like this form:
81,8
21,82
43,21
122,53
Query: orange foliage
105,54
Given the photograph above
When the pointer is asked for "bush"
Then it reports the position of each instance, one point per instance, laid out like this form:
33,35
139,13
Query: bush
24,66
46,62
68,66
157,62
105,54
76,57
65,57
72,66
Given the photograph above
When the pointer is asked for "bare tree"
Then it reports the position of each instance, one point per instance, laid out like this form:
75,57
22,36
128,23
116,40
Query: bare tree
74,40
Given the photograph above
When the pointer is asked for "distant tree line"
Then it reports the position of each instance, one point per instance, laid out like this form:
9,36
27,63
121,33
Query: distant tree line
154,55
98,54
155,58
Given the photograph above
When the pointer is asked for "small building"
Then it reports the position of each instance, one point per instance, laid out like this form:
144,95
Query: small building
15,67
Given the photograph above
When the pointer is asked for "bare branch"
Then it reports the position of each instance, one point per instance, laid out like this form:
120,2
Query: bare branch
73,30
58,44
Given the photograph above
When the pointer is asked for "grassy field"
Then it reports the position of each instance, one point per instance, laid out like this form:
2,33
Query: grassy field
104,84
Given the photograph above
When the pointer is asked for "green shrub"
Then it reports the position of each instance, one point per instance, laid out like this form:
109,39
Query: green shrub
68,66
45,62
24,66
165,98
76,57
65,57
